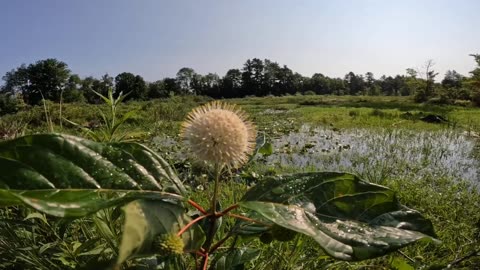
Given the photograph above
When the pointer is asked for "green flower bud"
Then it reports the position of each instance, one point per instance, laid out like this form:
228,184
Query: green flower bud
168,244
282,234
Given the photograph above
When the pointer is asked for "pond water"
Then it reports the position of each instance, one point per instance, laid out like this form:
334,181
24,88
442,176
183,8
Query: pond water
379,154
374,155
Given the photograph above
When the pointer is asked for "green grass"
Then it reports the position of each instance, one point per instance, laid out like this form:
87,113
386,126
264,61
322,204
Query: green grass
451,204
164,116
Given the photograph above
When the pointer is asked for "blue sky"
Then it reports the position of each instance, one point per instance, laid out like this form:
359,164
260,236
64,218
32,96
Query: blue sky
156,38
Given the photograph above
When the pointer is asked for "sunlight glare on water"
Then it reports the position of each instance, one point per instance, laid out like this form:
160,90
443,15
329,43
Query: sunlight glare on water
377,154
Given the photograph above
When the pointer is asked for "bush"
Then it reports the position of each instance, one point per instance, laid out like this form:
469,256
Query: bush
9,104
462,102
309,93
377,112
420,96
440,100
73,96
476,97
353,113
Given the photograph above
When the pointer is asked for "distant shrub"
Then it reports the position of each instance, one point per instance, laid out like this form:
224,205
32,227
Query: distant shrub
461,93
420,96
9,104
309,93
440,100
73,96
476,98
353,113
462,102
199,99
378,113
171,111
312,102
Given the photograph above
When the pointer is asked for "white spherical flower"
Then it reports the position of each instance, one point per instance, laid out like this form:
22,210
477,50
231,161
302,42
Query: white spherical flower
220,134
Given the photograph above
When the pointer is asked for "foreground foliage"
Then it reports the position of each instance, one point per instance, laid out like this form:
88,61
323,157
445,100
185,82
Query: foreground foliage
70,177
30,240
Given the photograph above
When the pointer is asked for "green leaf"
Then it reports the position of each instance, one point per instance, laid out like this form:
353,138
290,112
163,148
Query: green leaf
246,228
88,246
54,161
145,220
104,230
77,203
349,218
67,176
122,120
266,149
262,146
235,258
156,165
107,101
45,247
400,264
40,216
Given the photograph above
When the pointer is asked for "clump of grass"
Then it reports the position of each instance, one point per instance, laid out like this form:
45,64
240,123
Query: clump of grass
378,113
353,114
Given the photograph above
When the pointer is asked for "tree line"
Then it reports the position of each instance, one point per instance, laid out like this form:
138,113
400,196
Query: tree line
51,79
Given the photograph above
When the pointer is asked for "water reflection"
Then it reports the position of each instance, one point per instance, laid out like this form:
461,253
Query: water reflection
379,154
374,155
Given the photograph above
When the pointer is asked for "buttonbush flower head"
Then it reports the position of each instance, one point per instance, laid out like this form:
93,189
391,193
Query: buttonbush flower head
168,244
219,133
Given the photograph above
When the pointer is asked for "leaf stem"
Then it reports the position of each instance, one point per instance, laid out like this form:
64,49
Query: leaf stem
205,262
200,253
406,256
230,208
219,243
247,219
191,223
197,206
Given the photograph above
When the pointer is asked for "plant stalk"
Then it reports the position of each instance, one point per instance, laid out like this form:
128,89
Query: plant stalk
218,169
213,218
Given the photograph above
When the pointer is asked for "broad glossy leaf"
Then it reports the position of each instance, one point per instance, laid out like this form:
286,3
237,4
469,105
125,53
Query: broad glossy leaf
349,218
144,220
78,202
235,258
55,161
64,175
246,228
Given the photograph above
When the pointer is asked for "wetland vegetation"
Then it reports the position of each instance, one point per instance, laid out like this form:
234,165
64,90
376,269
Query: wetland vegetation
433,167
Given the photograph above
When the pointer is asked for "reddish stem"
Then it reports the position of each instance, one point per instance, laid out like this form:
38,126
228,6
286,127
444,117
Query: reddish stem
219,243
191,223
230,208
197,206
247,219
200,253
205,263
